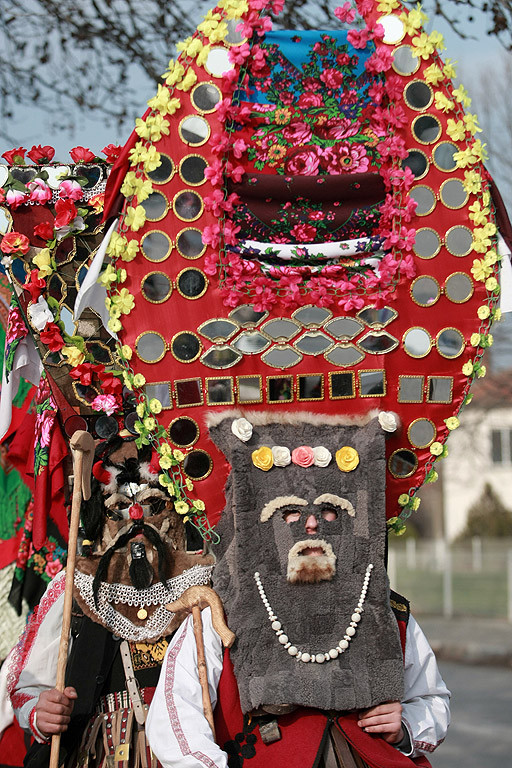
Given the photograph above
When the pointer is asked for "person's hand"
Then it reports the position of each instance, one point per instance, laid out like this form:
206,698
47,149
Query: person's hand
384,720
54,709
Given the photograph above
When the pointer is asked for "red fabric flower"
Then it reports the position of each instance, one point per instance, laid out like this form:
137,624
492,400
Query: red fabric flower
51,336
44,231
40,155
14,242
15,156
112,152
110,384
136,512
81,155
66,212
34,285
85,373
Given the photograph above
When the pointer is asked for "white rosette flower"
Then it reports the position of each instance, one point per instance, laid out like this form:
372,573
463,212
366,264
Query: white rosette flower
282,455
388,421
242,429
40,314
322,456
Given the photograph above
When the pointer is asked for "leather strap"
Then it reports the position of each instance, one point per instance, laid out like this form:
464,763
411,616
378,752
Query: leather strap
132,685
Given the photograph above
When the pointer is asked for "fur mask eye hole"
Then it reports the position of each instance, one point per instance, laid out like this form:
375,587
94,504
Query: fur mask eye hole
329,514
291,515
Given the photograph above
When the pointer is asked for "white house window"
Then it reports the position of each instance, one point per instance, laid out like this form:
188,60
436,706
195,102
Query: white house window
501,446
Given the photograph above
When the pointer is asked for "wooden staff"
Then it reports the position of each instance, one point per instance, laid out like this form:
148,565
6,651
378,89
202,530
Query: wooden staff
194,599
82,448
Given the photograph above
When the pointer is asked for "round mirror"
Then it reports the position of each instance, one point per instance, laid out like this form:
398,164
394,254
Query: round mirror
150,347
251,343
4,173
205,97
155,206
450,343
73,424
459,241
233,37
129,422
403,463
192,170
194,130
453,194
156,287
191,283
417,342
427,244
425,199
393,29
164,172
197,464
156,245
190,243
218,62
458,288
426,129
417,161
404,62
5,220
183,431
421,433
188,205
186,347
425,291
106,427
418,95
443,156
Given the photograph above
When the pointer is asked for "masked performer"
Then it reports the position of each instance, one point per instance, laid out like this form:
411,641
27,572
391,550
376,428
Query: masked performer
134,561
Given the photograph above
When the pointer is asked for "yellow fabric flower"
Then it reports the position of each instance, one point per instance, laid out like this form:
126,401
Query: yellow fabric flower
465,157
491,284
497,314
140,410
152,160
415,503
163,102
483,312
478,214
135,185
203,56
188,81
481,372
423,46
413,20
150,423
433,74
135,218
403,499
475,339
480,270
127,352
467,368
74,356
471,123
130,251
386,6
455,129
123,301
165,449
181,507
107,277
347,458
165,462
155,406
189,484
472,182
117,244
175,71
43,261
178,455
452,423
442,102
436,448
449,69
461,95
263,458
114,324
200,505
152,128
139,380
166,482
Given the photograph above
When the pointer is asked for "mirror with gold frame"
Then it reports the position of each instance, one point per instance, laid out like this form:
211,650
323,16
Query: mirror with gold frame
164,172
410,389
185,346
404,60
418,95
439,389
450,343
310,386
372,383
192,169
279,389
161,391
425,291
341,385
218,62
344,355
281,356
421,433
188,392
187,205
458,287
183,431
250,389
205,97
197,464
156,287
417,342
427,244
219,390
194,130
189,243
156,245
150,346
403,463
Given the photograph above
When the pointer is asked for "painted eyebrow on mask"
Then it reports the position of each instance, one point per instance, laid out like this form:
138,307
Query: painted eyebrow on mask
336,501
279,502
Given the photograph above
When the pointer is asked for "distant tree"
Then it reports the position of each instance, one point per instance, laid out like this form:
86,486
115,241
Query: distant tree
60,54
488,517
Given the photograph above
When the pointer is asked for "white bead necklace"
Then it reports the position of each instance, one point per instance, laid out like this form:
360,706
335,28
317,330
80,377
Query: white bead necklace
333,653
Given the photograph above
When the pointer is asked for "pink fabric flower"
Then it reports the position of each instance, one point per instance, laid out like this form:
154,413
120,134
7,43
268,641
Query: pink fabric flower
40,192
303,456
303,162
332,78
297,133
345,13
15,198
71,190
106,403
53,568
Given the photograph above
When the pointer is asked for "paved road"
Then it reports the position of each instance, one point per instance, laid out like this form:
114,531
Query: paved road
480,735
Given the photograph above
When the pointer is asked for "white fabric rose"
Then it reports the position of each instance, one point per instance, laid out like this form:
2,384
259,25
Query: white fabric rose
388,421
322,456
242,429
40,314
282,456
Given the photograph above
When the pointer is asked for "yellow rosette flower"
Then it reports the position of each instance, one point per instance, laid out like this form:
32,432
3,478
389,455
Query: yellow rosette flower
263,458
181,507
347,458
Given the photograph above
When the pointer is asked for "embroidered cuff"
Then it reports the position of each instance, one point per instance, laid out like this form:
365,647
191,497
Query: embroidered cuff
38,736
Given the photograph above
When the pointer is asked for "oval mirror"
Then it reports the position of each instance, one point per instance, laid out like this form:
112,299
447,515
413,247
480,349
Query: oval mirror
427,244
192,170
453,194
417,161
404,62
156,246
443,156
450,343
164,172
425,199
156,206
190,243
186,347
188,205
458,288
378,342
194,130
156,287
197,464
394,30
150,347
403,463
218,62
426,129
421,433
191,283
183,431
106,427
417,342
205,97
418,95
459,241
425,291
